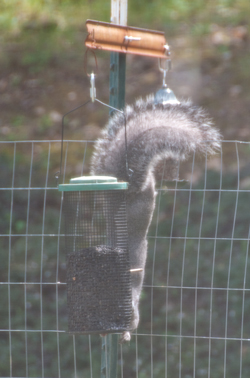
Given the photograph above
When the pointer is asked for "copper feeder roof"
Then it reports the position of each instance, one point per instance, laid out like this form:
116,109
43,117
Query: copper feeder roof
124,39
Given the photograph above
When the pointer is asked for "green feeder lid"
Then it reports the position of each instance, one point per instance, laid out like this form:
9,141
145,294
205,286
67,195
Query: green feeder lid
91,183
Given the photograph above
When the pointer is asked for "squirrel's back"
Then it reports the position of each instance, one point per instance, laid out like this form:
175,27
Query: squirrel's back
154,132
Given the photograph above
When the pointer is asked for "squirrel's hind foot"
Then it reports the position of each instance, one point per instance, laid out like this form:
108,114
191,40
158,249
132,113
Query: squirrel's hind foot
125,337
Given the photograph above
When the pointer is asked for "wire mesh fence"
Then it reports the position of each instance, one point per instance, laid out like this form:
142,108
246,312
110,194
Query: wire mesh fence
195,302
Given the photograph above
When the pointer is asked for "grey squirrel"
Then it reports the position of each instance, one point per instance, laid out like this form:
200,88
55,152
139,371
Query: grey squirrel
155,132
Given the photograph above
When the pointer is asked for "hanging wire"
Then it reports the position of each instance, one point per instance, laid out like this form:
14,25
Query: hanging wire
128,170
58,173
93,99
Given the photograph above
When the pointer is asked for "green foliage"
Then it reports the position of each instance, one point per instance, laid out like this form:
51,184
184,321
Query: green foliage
45,123
53,14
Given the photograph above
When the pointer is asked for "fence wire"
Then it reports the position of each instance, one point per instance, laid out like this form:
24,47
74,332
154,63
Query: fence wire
195,302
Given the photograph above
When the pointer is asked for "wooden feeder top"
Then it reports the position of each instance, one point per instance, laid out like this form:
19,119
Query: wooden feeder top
125,39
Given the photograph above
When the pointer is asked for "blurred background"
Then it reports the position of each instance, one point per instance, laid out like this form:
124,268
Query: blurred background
42,51
41,78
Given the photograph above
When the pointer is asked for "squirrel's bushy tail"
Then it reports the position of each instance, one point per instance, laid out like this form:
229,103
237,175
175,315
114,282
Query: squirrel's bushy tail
154,132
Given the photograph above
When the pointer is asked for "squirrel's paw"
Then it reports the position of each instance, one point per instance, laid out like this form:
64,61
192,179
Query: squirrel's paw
125,337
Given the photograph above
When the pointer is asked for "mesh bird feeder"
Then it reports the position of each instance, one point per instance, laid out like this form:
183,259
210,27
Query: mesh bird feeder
98,268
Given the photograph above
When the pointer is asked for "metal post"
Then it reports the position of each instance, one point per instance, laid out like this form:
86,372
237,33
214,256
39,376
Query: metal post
118,60
117,100
117,80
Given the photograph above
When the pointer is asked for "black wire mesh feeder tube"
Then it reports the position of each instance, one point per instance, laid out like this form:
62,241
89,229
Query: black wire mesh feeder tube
98,269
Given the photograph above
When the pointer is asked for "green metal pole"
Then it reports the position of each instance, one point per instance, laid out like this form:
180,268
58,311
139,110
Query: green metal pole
117,78
117,100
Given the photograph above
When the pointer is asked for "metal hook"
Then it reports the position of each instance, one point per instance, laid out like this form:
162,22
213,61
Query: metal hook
167,67
92,87
165,95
